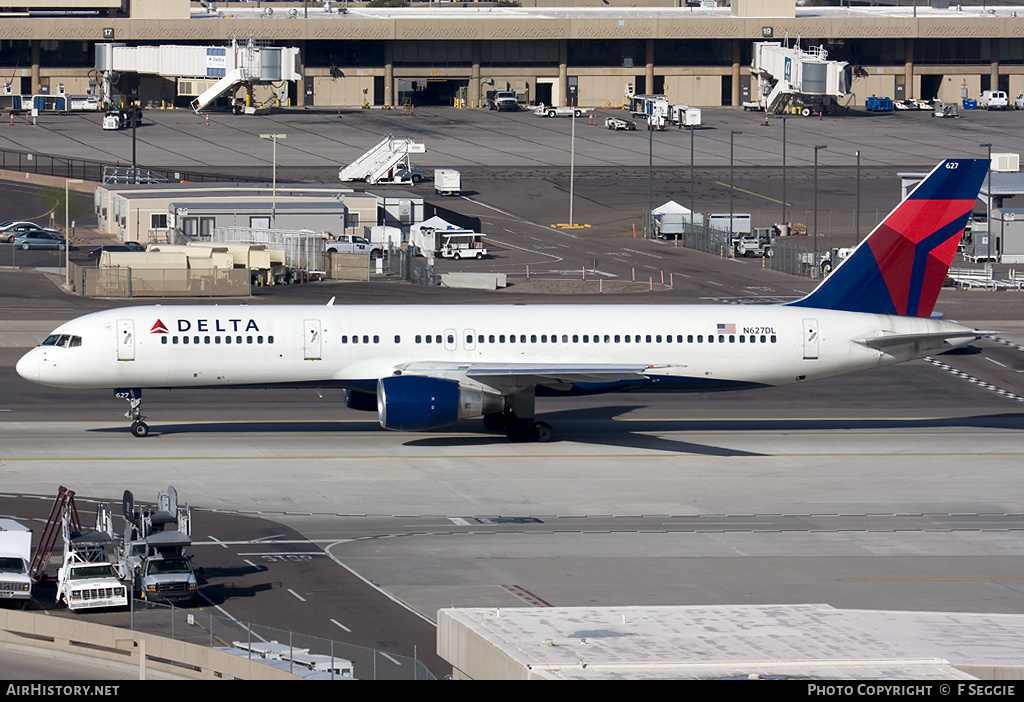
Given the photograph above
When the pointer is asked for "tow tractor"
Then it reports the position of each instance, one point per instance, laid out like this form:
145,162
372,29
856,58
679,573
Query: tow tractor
757,244
552,111
617,123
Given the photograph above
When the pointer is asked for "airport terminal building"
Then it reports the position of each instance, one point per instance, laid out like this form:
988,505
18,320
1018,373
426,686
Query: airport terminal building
584,52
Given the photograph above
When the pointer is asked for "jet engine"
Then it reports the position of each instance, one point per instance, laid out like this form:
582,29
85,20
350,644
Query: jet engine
358,400
418,403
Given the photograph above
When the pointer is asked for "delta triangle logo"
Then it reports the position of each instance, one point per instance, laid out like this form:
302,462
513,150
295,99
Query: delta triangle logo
158,328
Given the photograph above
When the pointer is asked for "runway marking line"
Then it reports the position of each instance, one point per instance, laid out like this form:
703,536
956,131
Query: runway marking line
748,192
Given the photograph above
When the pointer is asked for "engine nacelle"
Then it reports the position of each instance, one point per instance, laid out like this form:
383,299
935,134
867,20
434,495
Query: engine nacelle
358,400
417,403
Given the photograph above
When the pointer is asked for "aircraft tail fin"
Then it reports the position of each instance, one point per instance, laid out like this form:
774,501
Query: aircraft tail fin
900,267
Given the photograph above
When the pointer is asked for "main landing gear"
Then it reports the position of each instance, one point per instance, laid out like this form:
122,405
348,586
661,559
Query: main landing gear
517,430
134,413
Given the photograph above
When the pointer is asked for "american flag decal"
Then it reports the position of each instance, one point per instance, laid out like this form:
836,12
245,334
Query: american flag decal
726,328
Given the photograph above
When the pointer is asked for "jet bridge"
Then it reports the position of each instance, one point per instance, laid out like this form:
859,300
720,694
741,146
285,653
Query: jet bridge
225,67
794,77
378,162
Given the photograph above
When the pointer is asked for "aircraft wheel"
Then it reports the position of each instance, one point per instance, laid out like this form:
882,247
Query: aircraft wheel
544,431
140,429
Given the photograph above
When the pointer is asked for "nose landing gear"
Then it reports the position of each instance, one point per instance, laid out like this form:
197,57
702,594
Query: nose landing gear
134,413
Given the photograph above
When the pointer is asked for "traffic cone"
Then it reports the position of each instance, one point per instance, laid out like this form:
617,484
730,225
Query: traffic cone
207,120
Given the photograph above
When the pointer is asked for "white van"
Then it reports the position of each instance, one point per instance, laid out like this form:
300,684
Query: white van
993,100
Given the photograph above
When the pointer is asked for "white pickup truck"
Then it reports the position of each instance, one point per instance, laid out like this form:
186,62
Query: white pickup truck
543,110
346,243
15,556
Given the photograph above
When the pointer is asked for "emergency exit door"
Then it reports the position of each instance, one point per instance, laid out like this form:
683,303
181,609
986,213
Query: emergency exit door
125,340
312,343
811,339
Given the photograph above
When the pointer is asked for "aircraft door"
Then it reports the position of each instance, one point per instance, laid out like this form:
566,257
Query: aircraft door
312,343
811,339
125,340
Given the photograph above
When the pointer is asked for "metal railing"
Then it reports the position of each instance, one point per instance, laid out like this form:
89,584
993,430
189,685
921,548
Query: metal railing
203,628
67,167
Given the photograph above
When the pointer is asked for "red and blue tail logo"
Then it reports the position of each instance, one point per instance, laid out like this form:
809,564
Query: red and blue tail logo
899,269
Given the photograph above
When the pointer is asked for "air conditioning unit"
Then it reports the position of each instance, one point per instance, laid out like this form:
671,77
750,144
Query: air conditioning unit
1006,163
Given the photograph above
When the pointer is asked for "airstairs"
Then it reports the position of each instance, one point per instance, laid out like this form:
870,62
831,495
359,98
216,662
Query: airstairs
379,161
230,81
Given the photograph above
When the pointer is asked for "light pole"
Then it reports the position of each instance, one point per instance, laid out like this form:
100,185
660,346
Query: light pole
67,227
273,200
732,135
856,213
693,183
816,149
988,189
784,118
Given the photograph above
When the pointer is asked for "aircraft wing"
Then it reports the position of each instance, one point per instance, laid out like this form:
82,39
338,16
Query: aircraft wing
513,376
890,340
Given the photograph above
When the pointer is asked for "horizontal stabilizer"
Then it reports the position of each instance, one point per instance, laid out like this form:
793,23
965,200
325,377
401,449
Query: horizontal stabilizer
892,340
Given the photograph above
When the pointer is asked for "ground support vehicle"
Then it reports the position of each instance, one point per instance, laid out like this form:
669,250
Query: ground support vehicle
447,181
15,556
759,244
90,575
154,550
461,245
878,104
122,118
617,123
504,101
832,258
552,111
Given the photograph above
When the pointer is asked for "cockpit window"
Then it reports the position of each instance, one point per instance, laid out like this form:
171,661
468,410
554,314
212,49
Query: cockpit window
62,340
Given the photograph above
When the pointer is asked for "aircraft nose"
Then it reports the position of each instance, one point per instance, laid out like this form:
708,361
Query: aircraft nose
28,366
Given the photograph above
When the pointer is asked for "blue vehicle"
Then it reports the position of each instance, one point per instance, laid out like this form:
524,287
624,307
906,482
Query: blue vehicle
878,104
41,239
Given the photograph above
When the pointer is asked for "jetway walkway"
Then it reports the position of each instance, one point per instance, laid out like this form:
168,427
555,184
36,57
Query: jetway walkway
804,78
212,71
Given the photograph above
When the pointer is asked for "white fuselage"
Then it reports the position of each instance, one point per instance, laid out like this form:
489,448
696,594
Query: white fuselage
681,347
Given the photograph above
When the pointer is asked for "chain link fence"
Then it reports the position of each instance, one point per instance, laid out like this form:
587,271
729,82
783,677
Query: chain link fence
65,167
411,266
300,654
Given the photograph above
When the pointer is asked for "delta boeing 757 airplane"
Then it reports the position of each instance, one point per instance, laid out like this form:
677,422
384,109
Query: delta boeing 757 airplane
426,367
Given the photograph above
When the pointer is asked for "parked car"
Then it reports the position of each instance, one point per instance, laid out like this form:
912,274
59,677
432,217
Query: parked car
41,239
1018,102
12,227
126,246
